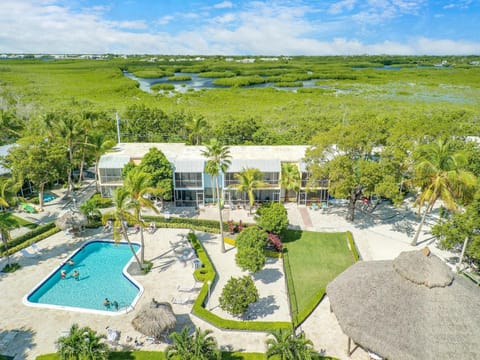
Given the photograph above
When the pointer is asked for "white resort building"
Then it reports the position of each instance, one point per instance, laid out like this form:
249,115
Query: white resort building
193,187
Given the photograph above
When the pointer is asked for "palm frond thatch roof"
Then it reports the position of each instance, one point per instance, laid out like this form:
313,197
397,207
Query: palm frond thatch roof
71,219
154,319
412,307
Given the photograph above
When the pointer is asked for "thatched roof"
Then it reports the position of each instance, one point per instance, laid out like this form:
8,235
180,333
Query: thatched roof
154,319
71,219
413,307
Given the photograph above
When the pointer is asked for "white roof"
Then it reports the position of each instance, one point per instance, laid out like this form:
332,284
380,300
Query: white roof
113,161
189,166
264,165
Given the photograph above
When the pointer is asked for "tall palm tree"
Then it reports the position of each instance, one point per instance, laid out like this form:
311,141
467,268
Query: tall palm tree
198,346
285,345
440,173
137,184
249,179
100,144
121,199
7,198
195,128
218,160
82,344
290,178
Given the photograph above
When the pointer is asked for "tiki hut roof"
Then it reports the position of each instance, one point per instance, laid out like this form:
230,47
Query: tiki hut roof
412,307
71,219
154,319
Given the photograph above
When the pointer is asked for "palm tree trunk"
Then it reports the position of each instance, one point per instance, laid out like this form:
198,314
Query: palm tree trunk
142,240
80,176
222,244
96,174
40,195
417,234
5,237
125,235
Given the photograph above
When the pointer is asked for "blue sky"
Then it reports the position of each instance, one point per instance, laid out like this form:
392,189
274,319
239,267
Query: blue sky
204,27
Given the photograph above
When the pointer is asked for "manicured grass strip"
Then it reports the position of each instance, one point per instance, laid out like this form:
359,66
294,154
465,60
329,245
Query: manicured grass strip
312,261
6,217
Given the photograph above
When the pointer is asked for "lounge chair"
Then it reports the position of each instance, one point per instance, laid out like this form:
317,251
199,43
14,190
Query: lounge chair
187,288
36,248
181,300
27,254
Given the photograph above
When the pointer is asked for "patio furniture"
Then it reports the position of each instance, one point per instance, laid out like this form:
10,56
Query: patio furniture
181,300
27,254
188,288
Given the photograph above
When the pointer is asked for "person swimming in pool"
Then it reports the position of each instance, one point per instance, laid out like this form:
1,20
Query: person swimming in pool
115,304
71,262
106,303
63,274
76,275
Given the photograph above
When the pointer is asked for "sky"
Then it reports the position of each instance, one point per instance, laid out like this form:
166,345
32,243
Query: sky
258,27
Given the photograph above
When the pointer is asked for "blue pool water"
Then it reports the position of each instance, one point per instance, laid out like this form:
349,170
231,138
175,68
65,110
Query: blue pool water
48,197
100,264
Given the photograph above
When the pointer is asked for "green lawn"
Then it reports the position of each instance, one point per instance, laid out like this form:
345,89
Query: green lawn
6,217
314,260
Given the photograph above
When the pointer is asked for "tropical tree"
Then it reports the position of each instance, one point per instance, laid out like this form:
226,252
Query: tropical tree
7,223
99,145
82,344
348,156
198,346
121,214
238,294
38,160
137,186
290,178
195,127
272,217
440,174
67,128
285,345
249,179
218,160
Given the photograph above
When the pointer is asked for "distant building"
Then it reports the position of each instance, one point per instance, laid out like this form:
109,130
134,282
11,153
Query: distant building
194,187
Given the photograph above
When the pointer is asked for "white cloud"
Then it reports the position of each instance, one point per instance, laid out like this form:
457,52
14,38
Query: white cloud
273,28
339,6
223,5
164,20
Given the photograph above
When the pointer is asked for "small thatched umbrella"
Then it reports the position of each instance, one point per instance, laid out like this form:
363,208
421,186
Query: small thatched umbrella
412,307
154,319
71,220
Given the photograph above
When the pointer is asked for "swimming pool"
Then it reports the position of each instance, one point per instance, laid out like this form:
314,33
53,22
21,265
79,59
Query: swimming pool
48,197
102,274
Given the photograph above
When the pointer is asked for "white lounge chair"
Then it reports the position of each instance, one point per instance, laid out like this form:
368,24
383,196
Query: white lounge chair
27,254
187,288
36,248
181,300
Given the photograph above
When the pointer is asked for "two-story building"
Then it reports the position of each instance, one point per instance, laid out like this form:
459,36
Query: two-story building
194,187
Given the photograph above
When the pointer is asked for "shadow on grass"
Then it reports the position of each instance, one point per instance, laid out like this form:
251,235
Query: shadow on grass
291,235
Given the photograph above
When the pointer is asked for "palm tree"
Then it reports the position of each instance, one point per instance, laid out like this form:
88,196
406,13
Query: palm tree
100,144
137,184
290,178
7,190
198,346
249,179
195,127
121,198
285,345
440,174
218,160
82,344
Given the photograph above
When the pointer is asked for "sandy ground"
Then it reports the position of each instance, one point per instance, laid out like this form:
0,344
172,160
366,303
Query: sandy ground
380,235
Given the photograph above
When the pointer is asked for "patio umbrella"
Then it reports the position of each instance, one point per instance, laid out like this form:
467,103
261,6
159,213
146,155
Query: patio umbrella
71,219
154,319
412,307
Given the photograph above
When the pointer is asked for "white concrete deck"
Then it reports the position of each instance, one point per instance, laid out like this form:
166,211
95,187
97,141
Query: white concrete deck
39,328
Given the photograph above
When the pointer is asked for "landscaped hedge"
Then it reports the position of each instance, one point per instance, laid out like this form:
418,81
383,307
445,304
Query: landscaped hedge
352,246
37,234
185,223
290,288
200,311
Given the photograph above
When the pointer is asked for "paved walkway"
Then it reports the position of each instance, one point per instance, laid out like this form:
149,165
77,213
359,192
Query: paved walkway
382,235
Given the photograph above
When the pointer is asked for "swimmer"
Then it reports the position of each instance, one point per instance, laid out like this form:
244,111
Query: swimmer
106,303
76,275
115,304
63,274
71,262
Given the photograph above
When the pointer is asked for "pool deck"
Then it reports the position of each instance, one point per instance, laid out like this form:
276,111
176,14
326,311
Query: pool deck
382,235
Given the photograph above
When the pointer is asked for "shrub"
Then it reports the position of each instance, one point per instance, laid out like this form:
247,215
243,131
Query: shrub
272,217
18,243
250,259
10,268
252,237
101,202
274,239
238,294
